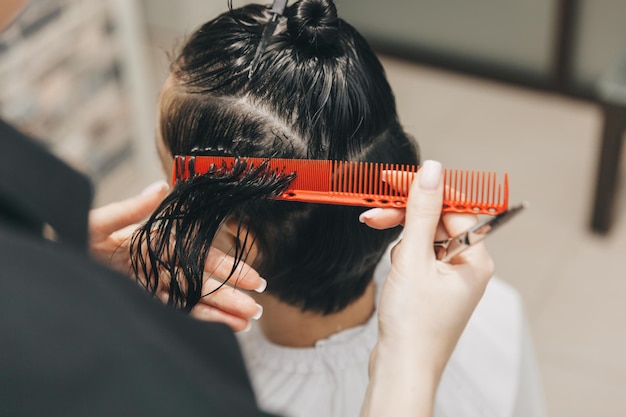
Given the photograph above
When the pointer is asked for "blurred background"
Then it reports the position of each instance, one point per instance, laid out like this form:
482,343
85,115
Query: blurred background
534,88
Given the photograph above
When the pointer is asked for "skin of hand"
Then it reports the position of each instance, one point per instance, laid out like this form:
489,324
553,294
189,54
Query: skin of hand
9,10
110,230
425,303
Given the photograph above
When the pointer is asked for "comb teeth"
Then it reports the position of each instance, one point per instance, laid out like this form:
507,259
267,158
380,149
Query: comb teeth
475,191
361,183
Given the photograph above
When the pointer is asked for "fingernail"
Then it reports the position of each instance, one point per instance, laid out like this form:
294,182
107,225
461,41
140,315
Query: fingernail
259,312
155,188
430,175
370,214
262,286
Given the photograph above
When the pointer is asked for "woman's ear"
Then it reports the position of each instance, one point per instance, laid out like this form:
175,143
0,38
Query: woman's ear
226,236
232,233
163,151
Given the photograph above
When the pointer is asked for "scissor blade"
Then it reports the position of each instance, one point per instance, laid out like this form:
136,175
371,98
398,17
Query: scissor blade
477,233
493,223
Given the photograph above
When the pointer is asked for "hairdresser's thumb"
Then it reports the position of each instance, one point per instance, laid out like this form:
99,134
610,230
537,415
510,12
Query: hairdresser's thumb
115,216
423,210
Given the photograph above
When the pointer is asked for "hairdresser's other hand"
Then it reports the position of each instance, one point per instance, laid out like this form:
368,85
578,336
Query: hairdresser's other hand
228,304
425,304
111,226
110,230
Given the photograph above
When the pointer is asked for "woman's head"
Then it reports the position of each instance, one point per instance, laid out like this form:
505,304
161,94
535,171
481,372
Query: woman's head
318,92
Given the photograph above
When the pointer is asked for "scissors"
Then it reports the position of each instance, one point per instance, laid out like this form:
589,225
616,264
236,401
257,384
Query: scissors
447,249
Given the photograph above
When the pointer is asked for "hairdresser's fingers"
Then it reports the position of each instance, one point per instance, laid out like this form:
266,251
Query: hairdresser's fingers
441,233
207,313
385,218
219,265
379,218
230,300
112,249
398,180
457,223
476,255
107,219
423,211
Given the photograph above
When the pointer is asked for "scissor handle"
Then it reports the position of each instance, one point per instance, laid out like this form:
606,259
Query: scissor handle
447,249
441,247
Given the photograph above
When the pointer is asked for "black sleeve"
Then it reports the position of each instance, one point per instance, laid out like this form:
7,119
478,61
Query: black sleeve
37,187
79,340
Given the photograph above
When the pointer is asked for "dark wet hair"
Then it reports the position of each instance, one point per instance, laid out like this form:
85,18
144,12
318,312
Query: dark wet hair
319,92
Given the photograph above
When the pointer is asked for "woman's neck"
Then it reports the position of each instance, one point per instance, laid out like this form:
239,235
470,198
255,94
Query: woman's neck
286,325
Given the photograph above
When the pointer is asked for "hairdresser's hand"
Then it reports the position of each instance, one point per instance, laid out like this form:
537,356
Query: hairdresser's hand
111,226
110,230
425,304
228,305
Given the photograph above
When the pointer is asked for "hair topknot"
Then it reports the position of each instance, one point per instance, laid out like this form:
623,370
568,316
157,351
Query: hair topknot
313,23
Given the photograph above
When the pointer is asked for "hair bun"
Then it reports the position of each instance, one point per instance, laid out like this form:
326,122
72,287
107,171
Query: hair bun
313,23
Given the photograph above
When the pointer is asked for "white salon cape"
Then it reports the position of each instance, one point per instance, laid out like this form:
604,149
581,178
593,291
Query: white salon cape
492,372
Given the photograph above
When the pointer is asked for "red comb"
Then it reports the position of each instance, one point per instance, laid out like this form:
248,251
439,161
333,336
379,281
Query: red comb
361,183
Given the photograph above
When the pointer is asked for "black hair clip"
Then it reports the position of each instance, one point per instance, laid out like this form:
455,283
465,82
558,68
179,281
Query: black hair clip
278,9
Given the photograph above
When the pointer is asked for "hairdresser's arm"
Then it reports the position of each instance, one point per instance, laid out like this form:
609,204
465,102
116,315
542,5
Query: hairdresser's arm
110,229
425,304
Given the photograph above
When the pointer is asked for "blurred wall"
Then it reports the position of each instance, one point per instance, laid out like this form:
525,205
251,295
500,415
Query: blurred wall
66,77
182,16
511,37
601,38
515,36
